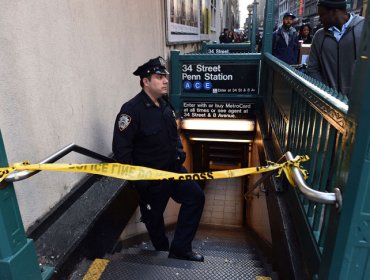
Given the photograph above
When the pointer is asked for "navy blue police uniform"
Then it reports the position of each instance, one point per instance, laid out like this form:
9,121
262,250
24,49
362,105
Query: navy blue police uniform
146,135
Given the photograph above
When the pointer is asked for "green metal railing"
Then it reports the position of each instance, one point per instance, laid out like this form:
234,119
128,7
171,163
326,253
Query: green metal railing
18,258
308,118
304,117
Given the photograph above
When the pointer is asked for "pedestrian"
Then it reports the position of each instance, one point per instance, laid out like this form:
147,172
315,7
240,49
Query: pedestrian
305,36
224,36
230,37
285,40
237,38
145,134
334,48
259,44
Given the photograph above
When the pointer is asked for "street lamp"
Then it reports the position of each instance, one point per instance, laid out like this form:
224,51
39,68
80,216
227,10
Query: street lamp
250,9
253,46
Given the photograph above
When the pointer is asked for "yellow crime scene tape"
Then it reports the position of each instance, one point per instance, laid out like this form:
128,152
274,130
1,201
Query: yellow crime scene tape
133,173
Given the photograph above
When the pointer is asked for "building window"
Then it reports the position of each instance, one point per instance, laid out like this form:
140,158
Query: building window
213,14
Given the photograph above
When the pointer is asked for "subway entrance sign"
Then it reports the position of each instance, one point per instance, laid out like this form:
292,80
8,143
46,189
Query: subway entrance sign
229,78
215,86
218,110
214,48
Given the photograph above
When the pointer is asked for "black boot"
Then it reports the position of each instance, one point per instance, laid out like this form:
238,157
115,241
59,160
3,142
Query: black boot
188,256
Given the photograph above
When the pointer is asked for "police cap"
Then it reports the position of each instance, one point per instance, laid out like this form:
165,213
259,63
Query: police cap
153,66
289,14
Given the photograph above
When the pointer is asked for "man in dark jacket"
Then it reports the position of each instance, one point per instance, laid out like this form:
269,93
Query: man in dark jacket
285,41
145,134
334,49
224,37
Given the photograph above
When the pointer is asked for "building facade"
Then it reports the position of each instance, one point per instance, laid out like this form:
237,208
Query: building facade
67,68
306,10
231,14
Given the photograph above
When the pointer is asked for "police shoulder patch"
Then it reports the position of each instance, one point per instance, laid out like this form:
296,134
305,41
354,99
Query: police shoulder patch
123,121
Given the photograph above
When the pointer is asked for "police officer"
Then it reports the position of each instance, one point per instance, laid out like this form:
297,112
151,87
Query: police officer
145,134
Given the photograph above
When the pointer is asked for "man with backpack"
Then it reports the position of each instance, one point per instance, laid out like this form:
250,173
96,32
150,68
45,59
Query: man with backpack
285,41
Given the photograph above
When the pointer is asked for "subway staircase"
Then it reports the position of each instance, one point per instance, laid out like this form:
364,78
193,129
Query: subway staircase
229,253
223,156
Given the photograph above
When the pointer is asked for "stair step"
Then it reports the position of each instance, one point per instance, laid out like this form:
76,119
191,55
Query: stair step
209,245
224,155
224,249
210,262
223,166
225,243
228,148
117,269
208,254
80,270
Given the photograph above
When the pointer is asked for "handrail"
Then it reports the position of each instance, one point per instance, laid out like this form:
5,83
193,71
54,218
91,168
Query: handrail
332,96
311,194
260,180
21,175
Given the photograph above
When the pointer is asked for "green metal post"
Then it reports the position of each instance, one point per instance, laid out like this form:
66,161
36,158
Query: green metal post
175,80
250,9
18,259
349,5
266,75
268,27
250,28
352,244
204,47
254,26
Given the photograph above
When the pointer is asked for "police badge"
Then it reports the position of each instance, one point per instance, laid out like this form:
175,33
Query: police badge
123,122
162,61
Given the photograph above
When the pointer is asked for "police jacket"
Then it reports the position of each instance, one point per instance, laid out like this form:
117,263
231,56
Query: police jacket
146,135
287,53
332,62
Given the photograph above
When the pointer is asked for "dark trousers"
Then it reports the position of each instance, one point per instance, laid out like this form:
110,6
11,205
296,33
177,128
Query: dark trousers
153,202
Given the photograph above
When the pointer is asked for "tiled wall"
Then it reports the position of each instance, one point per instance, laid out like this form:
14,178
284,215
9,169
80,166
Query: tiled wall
224,202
